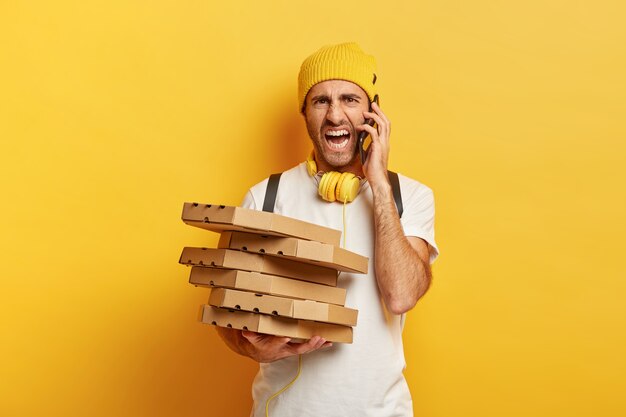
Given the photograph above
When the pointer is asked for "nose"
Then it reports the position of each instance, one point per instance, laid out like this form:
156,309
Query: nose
335,114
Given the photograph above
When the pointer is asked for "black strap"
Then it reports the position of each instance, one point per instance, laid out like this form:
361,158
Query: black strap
270,193
395,187
272,190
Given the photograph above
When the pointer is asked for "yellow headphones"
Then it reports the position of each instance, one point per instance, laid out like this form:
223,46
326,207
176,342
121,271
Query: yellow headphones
335,186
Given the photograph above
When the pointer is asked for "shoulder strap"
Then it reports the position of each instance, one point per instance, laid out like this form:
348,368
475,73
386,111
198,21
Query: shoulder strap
395,187
270,192
274,180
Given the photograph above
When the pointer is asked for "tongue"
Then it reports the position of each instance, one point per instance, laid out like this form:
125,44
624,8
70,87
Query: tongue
336,139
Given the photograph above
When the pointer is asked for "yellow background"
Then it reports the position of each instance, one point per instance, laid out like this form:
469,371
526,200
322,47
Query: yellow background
113,113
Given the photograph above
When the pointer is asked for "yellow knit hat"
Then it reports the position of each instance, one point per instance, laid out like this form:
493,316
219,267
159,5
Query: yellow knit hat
345,61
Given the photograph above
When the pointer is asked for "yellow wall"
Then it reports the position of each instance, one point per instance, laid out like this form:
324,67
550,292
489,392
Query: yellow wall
113,113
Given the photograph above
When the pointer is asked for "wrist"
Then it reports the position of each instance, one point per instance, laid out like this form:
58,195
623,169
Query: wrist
381,190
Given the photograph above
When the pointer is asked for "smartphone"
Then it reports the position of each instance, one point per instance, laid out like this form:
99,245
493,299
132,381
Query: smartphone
364,141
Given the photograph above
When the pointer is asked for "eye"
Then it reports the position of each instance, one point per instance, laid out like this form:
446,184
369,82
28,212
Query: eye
320,102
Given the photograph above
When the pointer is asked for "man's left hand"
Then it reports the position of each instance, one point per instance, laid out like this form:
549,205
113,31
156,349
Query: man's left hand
375,168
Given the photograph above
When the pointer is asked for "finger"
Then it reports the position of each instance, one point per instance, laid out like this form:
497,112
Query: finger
377,140
305,347
256,338
278,341
251,336
316,344
383,127
371,130
378,110
312,344
379,120
387,123
319,343
281,340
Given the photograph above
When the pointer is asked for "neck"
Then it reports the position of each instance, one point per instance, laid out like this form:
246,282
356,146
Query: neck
354,167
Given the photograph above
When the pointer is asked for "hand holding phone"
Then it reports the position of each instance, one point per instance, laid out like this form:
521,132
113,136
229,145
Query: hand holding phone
364,141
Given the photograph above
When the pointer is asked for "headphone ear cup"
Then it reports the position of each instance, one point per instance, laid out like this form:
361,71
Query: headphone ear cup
337,186
347,187
331,186
321,189
338,194
311,166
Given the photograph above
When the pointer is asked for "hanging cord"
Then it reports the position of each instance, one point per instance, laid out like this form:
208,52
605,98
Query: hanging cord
345,200
286,387
267,403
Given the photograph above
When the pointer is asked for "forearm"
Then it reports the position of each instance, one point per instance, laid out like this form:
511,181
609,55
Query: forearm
403,276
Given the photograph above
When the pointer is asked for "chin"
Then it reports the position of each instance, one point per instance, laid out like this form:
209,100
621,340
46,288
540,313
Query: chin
339,161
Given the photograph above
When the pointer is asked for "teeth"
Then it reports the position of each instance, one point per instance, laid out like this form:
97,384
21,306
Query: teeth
339,145
337,132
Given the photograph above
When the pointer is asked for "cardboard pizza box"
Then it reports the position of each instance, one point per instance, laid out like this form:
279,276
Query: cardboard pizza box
266,284
316,253
249,301
326,313
219,218
285,307
278,326
232,259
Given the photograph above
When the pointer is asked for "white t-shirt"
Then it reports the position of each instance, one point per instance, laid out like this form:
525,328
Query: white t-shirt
363,378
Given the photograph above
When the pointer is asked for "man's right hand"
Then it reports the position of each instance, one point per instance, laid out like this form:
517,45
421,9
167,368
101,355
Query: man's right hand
270,348
266,348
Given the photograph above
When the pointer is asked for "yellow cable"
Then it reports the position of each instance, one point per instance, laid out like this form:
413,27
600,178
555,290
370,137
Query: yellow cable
344,221
267,403
276,394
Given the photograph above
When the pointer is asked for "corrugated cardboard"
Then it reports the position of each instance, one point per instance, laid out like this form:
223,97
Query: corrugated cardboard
248,301
327,313
316,253
232,259
266,284
222,218
285,307
278,326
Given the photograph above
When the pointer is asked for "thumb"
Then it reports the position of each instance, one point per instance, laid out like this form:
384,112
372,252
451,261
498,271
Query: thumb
251,336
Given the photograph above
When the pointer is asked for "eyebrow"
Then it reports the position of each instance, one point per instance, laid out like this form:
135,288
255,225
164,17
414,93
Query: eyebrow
319,97
353,96
342,96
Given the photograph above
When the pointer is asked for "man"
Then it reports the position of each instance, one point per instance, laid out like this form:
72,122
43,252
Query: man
336,87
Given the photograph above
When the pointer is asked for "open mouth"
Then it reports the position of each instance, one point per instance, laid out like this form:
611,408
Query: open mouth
337,139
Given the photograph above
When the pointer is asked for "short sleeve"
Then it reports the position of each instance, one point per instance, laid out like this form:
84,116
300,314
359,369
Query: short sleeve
255,196
248,201
418,218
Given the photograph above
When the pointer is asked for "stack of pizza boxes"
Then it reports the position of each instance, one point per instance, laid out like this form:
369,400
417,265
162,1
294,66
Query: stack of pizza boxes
272,274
